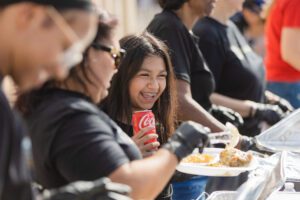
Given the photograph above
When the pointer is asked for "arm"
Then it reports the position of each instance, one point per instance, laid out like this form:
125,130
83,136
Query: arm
90,150
240,106
143,176
158,169
290,46
189,109
94,153
263,112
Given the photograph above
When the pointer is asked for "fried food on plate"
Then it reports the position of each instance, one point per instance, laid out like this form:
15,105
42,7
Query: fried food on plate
198,158
235,158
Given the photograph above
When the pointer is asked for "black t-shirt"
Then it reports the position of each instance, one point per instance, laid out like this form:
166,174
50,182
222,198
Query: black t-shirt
186,57
238,71
73,140
14,173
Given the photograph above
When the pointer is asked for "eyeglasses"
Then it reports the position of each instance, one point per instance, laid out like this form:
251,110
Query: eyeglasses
116,54
72,55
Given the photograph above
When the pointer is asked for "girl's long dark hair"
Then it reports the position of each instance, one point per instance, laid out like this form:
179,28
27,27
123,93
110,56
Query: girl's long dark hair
118,104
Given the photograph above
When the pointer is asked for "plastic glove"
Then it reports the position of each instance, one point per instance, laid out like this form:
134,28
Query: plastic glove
268,113
273,99
284,105
186,138
224,115
101,189
246,143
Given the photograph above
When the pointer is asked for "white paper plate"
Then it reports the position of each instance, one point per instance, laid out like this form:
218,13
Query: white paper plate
231,195
200,169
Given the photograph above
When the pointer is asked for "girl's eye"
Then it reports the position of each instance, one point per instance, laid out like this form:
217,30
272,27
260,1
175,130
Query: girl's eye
163,76
144,75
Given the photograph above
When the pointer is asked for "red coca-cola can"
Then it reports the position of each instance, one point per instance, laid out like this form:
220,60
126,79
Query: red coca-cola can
143,119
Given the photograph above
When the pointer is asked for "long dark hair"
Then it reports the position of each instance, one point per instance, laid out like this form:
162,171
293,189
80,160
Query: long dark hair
28,101
118,104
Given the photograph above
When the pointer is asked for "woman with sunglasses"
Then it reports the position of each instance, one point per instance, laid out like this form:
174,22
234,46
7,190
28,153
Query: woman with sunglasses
33,36
145,81
73,140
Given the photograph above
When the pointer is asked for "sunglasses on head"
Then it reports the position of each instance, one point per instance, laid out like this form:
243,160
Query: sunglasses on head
116,54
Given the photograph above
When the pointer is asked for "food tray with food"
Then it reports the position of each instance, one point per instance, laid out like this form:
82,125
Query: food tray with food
218,162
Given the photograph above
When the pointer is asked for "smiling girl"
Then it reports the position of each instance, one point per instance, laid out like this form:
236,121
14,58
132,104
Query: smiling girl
145,81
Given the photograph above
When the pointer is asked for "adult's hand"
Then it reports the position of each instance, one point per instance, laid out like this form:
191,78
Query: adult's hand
268,113
186,138
274,99
224,114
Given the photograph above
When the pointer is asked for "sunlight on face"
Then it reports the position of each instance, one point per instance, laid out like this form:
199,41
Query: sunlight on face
148,84
40,47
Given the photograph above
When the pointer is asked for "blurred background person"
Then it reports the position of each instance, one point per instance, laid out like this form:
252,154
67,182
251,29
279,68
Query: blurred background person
283,49
193,78
35,37
237,70
145,81
251,24
238,74
172,26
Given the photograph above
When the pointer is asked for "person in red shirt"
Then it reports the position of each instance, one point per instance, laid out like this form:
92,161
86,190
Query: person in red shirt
283,50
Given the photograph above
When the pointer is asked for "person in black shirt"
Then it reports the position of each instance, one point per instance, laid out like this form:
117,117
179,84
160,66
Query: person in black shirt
194,79
146,74
31,41
73,140
238,74
237,70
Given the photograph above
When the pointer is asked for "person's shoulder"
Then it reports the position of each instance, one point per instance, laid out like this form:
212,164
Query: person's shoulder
164,21
68,100
208,29
59,105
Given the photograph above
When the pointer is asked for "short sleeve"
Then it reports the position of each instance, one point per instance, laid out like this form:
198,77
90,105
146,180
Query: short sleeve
176,41
291,14
86,149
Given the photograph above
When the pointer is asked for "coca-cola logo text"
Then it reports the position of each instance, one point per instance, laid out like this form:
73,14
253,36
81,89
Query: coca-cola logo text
147,120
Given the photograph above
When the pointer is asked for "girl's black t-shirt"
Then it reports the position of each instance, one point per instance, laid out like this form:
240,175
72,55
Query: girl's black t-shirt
73,140
186,57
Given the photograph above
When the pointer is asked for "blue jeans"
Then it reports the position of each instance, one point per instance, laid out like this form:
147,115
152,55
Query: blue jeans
189,189
288,91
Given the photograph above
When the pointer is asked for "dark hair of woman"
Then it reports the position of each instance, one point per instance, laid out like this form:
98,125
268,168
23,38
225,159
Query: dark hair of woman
171,4
26,102
118,104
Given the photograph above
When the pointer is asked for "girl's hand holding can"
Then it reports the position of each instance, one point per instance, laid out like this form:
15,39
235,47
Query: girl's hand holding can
147,143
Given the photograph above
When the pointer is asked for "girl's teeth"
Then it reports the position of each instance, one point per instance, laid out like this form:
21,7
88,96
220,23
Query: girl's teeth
148,95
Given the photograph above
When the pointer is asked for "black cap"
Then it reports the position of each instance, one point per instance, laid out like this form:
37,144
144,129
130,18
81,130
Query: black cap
59,4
